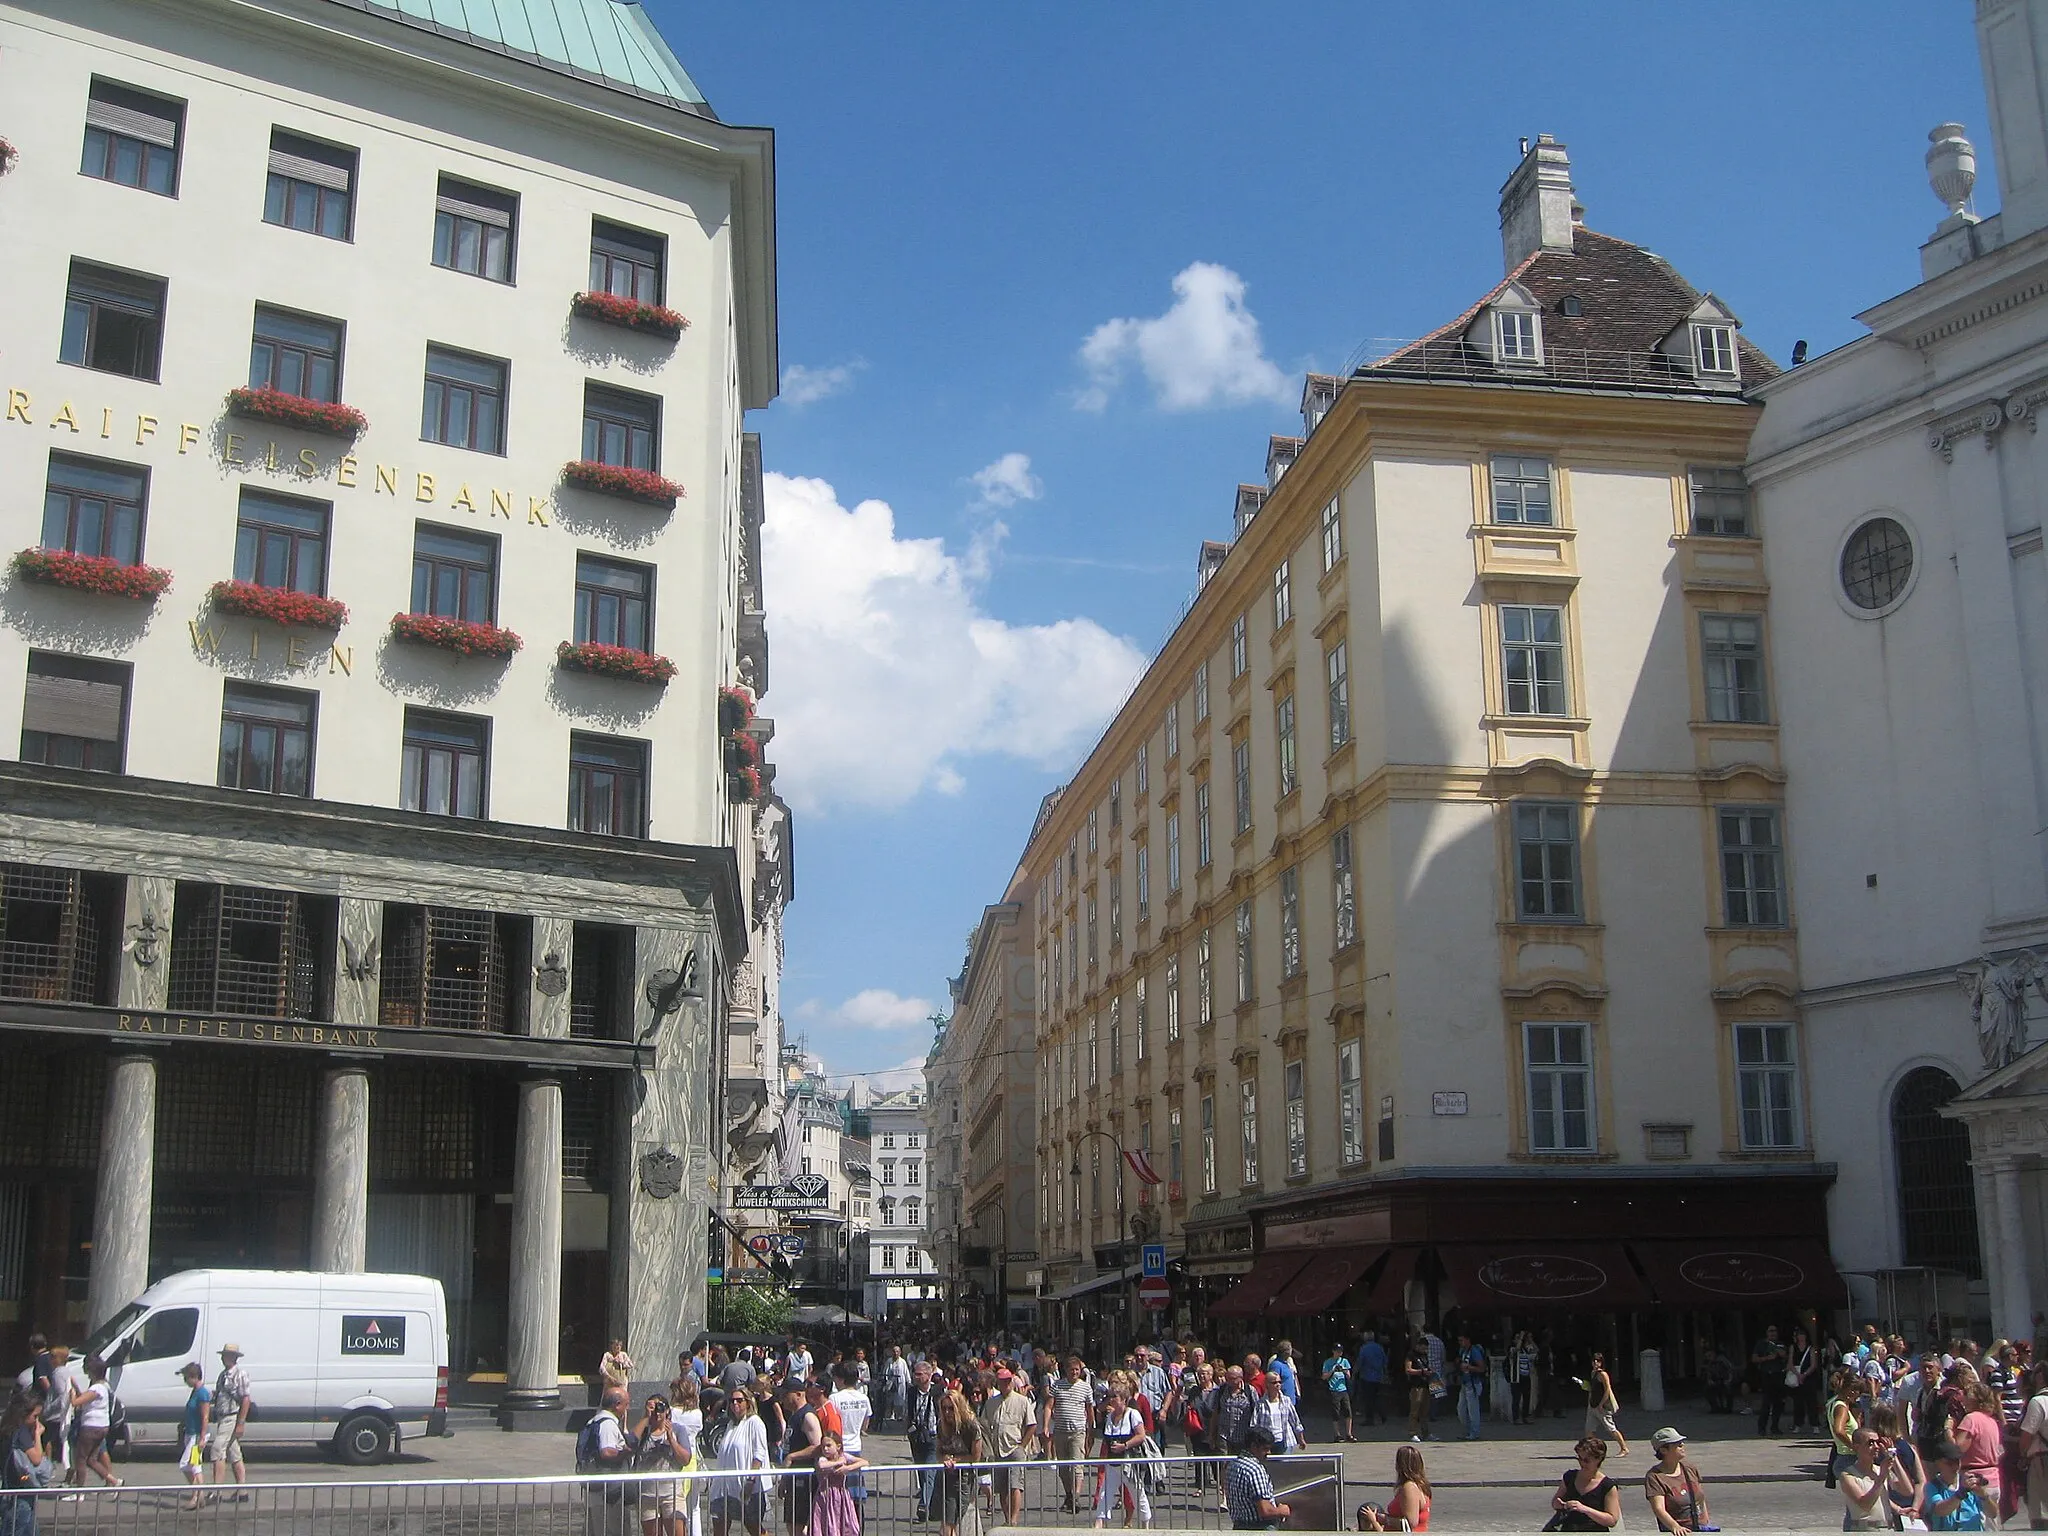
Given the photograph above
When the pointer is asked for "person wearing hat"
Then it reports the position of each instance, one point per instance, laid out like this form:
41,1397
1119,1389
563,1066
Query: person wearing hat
1009,1424
230,1413
1248,1487
1678,1500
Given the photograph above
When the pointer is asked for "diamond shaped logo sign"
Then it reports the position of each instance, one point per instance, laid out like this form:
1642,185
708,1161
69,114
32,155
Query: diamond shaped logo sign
812,1186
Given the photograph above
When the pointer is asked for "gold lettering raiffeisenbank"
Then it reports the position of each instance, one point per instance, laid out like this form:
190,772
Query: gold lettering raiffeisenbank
255,1031
239,451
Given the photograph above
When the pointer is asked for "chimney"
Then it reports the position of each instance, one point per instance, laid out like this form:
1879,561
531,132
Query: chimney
1536,205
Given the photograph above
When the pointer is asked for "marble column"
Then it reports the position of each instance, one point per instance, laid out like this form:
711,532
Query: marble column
127,1180
2012,1310
341,1172
533,1322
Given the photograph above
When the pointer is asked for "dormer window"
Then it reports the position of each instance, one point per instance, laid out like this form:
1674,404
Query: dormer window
1713,348
1515,334
1510,331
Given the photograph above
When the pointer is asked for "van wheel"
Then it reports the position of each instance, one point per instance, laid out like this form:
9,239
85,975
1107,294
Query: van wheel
362,1440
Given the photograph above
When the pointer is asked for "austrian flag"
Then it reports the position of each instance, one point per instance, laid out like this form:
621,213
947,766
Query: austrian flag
1141,1165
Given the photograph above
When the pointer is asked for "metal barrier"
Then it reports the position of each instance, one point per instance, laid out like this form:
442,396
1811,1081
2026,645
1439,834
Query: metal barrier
1179,1492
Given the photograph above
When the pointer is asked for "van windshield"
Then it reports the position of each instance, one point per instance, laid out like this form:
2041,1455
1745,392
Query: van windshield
113,1328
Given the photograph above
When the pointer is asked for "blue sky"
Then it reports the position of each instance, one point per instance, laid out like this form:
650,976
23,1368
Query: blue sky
970,193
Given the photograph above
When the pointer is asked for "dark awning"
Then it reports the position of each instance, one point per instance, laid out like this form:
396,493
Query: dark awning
1742,1272
1330,1272
1389,1291
1521,1277
1268,1277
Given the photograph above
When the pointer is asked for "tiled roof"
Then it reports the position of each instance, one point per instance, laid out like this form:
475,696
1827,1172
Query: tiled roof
1629,300
613,42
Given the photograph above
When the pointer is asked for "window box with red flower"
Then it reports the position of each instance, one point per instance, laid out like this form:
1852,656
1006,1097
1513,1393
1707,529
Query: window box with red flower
642,485
278,605
735,709
461,636
284,410
741,752
618,661
612,309
92,573
742,785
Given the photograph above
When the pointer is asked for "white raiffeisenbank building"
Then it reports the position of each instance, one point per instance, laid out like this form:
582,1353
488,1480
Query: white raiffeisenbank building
389,833
1899,480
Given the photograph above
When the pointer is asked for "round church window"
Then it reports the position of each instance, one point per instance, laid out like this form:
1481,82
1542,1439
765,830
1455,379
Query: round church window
1877,564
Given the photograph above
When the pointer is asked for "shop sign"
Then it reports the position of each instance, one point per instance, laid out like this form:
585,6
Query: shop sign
1447,1101
1742,1274
379,1335
1542,1276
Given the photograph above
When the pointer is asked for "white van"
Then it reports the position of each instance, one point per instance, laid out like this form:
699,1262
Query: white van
358,1362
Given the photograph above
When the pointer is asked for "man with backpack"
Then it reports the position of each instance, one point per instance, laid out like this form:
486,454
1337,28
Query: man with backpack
1472,1365
1235,1405
602,1447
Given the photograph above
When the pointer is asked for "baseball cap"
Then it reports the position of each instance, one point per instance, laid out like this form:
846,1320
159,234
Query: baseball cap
1006,1376
1667,1436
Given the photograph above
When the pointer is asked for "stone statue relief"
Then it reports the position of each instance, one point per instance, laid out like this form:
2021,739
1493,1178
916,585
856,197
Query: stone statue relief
1997,990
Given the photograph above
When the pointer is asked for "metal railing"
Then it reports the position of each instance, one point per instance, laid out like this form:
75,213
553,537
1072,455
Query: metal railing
1452,358
1180,1493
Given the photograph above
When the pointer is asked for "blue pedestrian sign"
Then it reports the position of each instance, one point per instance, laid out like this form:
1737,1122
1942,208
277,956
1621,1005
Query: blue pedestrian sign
1154,1261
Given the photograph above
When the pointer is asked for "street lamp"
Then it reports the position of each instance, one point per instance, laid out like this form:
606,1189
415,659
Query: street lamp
1002,1263
1075,1171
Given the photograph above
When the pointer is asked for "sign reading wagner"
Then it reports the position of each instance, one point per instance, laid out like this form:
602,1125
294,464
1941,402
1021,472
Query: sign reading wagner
378,1335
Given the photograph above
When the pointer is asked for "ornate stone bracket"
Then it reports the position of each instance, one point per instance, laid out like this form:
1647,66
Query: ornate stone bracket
1985,418
2023,405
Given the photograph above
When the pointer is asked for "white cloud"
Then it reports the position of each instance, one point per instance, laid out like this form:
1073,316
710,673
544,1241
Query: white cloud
1007,481
907,1074
888,673
804,386
1204,351
879,1008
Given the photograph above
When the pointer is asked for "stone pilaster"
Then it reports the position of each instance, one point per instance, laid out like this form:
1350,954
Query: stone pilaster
144,980
341,1172
534,1310
127,1182
2012,1301
553,950
356,958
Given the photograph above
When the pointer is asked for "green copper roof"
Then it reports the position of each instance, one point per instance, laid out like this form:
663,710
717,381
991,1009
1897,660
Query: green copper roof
609,40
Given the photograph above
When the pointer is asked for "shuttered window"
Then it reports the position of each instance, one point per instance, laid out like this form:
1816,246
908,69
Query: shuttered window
74,712
131,138
311,186
473,230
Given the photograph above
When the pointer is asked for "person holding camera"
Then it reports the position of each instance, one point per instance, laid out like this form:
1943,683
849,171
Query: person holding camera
659,1445
1869,1481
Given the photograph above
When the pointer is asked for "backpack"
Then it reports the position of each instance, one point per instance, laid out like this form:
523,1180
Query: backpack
711,1438
587,1461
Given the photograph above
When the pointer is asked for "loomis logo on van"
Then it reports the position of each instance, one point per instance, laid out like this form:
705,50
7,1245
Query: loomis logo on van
373,1335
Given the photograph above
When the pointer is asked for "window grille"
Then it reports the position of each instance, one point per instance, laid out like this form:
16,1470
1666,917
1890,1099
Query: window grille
594,989
585,1112
444,968
50,1103
1937,1196
424,1126
248,1118
238,949
52,935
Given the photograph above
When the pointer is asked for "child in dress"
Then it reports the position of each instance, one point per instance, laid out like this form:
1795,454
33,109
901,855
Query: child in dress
833,1512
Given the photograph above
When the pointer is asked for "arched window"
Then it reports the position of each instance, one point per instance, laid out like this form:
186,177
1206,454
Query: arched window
1937,1198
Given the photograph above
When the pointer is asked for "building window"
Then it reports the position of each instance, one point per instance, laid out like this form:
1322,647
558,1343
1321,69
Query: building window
1283,734
1116,909
1344,898
92,508
1116,1036
1290,923
1172,998
113,321
1202,690
626,262
1173,1154
1139,1023
1937,1197
1248,1102
1094,1057
445,764
912,1170
1091,831
1337,664
131,137
1516,332
888,1143
1333,536
473,230
1173,850
1752,869
1173,730
1720,502
281,542
1559,1062
1089,911
1547,862
1283,596
311,186
1208,1144
266,740
454,575
1351,1102
75,712
296,354
1241,784
888,1257
1297,1121
1532,659
1073,957
614,602
1245,979
1144,878
1116,802
607,786
1732,647
1205,990
1202,849
1239,658
1767,1086
1877,563
1521,491
1714,346
620,428
464,401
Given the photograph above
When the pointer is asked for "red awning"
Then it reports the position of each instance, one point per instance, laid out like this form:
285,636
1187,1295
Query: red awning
1268,1277
1522,1277
1742,1272
1329,1274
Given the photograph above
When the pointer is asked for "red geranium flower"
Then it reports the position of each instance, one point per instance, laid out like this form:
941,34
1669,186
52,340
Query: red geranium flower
457,635
296,411
277,605
617,480
614,661
92,573
655,319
